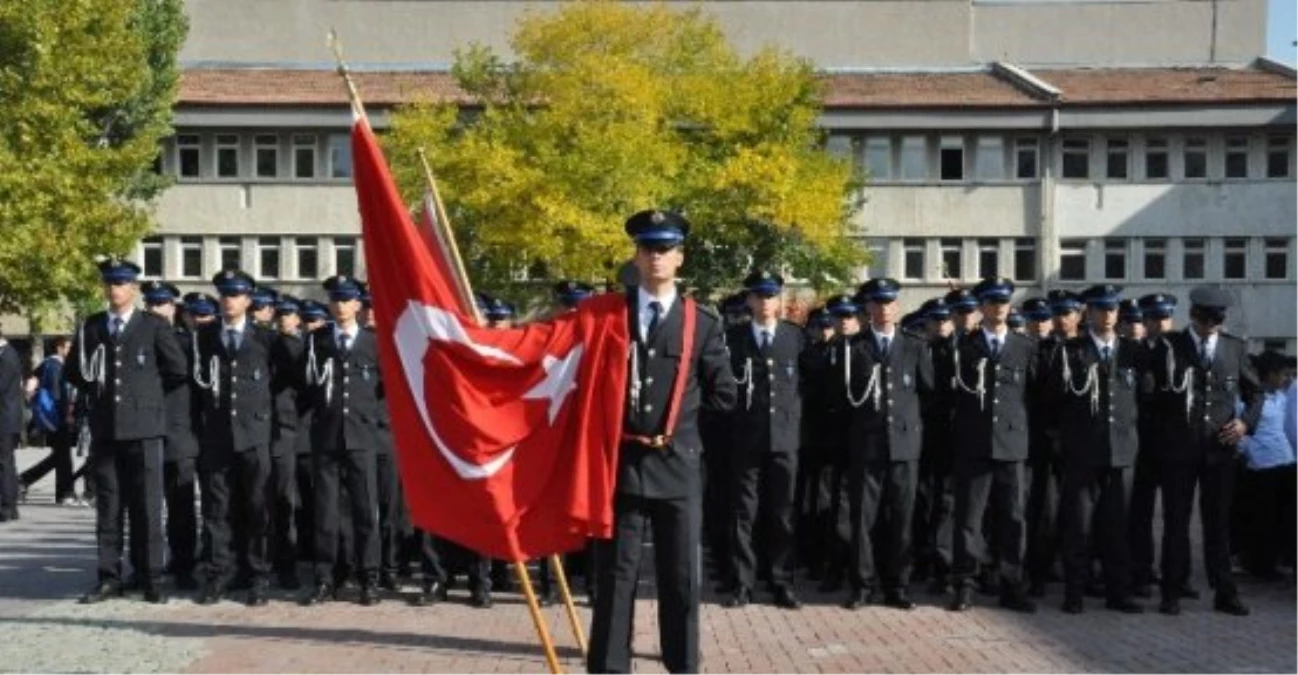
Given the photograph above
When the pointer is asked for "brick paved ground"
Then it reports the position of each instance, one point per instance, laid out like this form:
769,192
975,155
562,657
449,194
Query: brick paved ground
47,558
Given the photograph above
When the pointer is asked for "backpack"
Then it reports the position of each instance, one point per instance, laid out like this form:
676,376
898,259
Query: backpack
45,409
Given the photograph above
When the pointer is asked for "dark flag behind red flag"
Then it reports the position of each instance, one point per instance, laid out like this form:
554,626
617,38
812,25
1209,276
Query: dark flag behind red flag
507,439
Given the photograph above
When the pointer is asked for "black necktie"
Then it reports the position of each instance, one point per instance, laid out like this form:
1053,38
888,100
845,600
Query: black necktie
766,340
996,347
344,341
117,328
1205,358
1105,354
657,309
883,347
231,340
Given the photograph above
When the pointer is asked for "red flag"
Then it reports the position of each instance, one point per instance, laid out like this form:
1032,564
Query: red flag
507,439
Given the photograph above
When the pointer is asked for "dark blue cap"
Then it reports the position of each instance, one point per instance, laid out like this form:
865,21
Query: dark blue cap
878,289
233,282
658,228
961,301
819,318
570,293
114,270
764,283
342,287
913,322
367,300
735,304
200,304
496,309
1209,297
842,306
310,310
994,289
1103,296
1015,320
1036,309
264,296
159,292
936,309
1158,305
1063,302
1130,311
287,304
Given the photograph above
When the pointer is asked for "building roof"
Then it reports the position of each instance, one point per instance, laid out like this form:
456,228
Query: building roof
964,89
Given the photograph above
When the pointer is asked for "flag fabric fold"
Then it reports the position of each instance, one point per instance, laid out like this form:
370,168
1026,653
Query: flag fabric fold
507,440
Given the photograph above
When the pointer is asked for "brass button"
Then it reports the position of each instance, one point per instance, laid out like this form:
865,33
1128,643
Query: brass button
119,364
648,407
648,380
118,381
117,398
651,352
234,413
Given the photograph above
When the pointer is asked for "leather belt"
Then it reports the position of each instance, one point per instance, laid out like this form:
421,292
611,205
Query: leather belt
659,442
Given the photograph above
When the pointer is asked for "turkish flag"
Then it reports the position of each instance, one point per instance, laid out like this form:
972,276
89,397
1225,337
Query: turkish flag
507,440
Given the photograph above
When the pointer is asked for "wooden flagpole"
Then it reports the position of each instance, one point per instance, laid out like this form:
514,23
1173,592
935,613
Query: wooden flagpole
442,229
556,568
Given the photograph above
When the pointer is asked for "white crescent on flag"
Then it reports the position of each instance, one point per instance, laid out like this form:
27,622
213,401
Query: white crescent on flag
420,325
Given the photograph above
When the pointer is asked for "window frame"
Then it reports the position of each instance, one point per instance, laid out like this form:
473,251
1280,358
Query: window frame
877,142
1234,249
1072,249
1272,246
1194,246
1279,143
153,244
1197,146
1080,146
1114,147
1228,152
1025,246
265,245
190,244
984,246
911,142
954,144
192,142
1154,246
909,246
303,142
301,244
258,146
1023,144
951,245
350,244
221,143
1114,247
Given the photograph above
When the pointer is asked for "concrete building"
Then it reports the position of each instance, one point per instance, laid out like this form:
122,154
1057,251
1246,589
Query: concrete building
1057,142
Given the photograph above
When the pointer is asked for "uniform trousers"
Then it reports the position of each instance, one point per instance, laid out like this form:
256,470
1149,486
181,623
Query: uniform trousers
1095,501
976,482
235,493
354,471
882,488
128,479
765,479
1216,482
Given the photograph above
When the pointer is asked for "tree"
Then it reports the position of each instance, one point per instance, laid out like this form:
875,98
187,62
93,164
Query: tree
610,108
86,93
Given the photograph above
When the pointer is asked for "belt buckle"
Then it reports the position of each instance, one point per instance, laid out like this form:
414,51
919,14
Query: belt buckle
658,442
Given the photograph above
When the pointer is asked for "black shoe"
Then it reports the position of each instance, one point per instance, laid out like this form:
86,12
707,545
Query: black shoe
1037,589
211,594
940,586
962,601
241,582
370,594
1018,602
430,595
186,582
987,584
1095,589
134,584
1170,606
1074,604
785,599
388,582
1230,604
856,600
741,597
898,599
154,594
289,581
1189,592
102,591
480,599
548,597
259,595
1124,605
1142,591
833,583
322,593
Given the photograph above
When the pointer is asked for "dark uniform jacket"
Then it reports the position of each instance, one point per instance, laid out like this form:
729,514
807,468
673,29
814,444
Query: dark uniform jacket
768,415
181,442
993,423
237,410
1043,445
127,395
672,472
1097,417
904,373
344,391
936,409
11,391
287,413
1194,415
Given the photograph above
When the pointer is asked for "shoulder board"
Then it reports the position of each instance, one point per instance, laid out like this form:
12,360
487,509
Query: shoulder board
705,310
1232,338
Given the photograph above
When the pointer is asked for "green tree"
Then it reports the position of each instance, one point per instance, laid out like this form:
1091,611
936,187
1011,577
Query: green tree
610,108
86,93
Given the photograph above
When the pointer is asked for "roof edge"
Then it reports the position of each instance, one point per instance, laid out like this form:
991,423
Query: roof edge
1271,65
1026,81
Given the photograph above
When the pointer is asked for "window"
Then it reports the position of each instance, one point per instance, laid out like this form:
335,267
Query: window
266,153
989,158
307,264
227,156
268,257
914,163
1072,259
1277,258
989,255
1275,345
1025,158
340,156
878,157
952,158
191,257
231,253
1237,157
1193,258
839,145
1277,157
1196,157
913,250
345,255
1077,158
1234,258
304,156
189,155
1155,259
1115,258
152,259
1156,164
951,259
1118,158
1025,259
